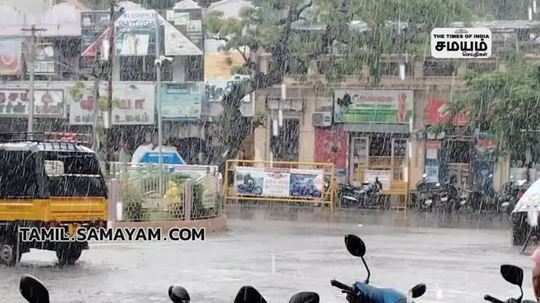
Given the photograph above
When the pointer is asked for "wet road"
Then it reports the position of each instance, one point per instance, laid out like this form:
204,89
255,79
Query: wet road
282,257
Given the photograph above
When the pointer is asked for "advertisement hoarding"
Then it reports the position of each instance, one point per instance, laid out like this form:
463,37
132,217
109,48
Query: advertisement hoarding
47,102
181,100
134,31
10,56
133,104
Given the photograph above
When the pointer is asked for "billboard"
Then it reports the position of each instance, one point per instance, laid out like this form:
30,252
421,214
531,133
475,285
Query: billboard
373,106
10,56
134,32
181,100
47,102
133,103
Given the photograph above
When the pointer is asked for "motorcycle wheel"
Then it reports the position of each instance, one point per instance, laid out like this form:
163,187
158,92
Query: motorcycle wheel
520,229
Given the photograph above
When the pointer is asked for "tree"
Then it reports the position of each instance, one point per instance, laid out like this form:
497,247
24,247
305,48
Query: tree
345,35
506,103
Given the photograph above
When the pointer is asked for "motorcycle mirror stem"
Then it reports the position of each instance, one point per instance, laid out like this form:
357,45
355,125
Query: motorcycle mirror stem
367,269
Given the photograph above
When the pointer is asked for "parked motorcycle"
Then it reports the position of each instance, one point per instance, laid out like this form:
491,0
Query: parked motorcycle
510,194
513,275
427,194
361,292
365,196
447,197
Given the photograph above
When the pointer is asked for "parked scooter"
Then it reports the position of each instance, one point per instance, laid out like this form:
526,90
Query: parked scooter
363,292
513,275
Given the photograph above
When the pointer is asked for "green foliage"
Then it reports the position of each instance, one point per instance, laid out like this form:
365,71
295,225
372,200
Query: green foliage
299,31
505,103
133,199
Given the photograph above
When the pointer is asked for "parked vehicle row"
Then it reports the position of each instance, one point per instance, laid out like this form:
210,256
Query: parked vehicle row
446,196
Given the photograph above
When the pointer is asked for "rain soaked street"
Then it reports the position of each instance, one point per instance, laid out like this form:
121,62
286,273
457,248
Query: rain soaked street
281,256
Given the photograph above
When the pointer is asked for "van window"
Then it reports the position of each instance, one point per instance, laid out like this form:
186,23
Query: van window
73,174
18,175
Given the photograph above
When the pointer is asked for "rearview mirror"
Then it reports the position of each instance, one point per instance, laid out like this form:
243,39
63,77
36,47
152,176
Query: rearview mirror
178,294
512,274
248,294
33,290
305,297
418,290
355,245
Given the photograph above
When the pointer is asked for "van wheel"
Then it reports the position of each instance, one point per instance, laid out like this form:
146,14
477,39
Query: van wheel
68,255
8,254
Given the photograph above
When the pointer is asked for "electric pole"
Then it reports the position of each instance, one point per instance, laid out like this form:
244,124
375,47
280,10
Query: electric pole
31,66
108,136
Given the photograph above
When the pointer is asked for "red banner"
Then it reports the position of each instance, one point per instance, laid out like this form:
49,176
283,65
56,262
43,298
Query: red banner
435,113
331,146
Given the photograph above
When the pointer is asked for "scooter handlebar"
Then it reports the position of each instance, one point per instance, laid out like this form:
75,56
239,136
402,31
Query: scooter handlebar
341,286
492,299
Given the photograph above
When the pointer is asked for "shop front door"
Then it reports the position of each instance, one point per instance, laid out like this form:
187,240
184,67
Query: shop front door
359,159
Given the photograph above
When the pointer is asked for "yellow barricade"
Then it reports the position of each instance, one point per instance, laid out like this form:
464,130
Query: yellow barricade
280,181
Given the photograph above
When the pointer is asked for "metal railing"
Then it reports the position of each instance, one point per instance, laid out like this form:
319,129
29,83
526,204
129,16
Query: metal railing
189,192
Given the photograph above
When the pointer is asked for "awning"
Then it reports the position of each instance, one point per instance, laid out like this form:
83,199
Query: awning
377,128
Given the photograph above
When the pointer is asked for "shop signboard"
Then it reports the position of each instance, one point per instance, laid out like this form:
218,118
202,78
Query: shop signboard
133,103
279,182
47,103
373,106
181,101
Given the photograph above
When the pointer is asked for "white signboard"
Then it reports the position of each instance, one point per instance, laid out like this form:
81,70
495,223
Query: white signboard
133,104
458,43
276,183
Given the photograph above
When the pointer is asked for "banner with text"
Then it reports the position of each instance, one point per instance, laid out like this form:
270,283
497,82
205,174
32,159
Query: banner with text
279,182
181,101
133,103
47,102
373,106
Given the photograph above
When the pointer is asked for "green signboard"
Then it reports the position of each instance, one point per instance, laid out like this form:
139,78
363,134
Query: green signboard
181,101
373,106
